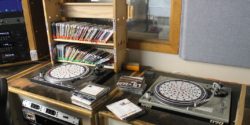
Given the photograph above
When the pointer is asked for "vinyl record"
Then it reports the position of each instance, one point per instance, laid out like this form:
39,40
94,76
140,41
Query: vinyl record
68,72
180,92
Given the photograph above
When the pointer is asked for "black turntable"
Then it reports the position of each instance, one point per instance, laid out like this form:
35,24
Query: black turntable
70,77
210,102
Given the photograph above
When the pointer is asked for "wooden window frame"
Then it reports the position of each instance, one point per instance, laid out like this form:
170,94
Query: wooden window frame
172,44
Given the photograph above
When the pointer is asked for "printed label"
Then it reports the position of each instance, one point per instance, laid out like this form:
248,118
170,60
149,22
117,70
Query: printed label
33,55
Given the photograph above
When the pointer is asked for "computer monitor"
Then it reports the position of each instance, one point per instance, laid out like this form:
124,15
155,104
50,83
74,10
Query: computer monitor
10,8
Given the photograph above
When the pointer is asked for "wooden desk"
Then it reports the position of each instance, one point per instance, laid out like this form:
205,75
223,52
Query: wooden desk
160,117
246,118
10,72
56,98
60,100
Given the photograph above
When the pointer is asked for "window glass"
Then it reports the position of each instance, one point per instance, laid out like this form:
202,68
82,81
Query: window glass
150,21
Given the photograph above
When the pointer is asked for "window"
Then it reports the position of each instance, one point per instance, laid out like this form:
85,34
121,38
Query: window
154,25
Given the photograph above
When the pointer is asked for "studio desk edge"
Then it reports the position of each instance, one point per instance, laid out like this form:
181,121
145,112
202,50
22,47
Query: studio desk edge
241,106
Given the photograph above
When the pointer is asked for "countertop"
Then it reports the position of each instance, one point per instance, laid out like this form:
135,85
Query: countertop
61,98
6,72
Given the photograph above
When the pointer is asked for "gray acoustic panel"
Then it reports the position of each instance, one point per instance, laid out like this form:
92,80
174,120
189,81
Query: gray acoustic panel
216,31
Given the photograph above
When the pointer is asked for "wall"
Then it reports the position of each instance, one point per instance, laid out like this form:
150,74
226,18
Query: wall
174,64
216,31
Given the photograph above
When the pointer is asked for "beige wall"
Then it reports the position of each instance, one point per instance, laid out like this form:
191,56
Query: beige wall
174,64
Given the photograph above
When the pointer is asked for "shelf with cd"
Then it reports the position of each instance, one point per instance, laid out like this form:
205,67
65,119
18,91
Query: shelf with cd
86,64
84,54
109,43
71,21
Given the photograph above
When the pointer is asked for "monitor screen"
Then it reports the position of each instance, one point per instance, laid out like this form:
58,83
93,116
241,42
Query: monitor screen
10,6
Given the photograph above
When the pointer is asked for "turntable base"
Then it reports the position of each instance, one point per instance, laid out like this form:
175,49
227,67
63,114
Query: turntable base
216,110
69,77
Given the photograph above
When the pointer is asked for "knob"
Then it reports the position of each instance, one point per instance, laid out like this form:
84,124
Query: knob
41,75
148,95
98,69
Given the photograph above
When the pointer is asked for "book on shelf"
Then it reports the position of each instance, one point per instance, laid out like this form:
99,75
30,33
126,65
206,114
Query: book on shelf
125,109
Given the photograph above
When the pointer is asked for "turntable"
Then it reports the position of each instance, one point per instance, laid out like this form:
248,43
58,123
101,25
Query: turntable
200,100
71,77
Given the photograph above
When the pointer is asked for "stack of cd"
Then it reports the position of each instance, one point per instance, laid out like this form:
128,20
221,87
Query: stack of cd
131,84
82,31
84,54
90,96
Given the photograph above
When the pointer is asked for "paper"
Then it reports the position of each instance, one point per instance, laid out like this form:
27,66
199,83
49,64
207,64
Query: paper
124,108
92,90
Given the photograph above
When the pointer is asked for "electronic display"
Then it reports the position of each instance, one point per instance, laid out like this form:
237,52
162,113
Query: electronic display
10,6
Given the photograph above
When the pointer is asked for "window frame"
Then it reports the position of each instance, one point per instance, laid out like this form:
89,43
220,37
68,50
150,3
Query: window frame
172,44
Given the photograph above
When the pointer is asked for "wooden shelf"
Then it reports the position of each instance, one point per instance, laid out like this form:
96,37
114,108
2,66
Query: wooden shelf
86,4
66,10
85,64
85,42
88,10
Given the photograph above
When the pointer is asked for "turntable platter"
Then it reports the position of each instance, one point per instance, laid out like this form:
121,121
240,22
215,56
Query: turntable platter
64,73
180,92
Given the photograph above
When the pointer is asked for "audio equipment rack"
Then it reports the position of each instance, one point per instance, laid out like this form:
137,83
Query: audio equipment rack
23,36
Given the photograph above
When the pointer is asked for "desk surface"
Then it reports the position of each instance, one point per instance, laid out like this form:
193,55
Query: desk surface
6,72
62,98
167,117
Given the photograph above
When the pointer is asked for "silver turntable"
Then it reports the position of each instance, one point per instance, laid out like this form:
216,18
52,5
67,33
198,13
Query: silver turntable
70,77
191,98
